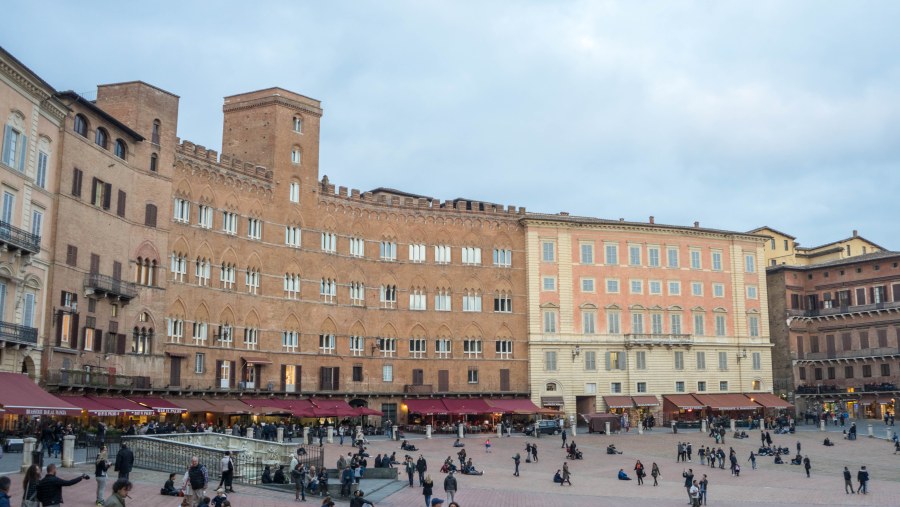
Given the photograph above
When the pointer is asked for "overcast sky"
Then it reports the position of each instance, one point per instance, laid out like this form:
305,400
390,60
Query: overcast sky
735,114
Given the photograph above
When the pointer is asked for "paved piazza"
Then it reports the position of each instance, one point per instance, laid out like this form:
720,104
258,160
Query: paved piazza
594,479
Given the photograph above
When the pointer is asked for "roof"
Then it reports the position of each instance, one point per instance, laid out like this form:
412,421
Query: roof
851,238
6,54
138,81
20,395
91,406
856,259
603,221
75,97
386,190
776,231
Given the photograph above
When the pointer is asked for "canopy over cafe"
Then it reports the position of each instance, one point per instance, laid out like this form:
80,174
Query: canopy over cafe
23,400
695,406
479,414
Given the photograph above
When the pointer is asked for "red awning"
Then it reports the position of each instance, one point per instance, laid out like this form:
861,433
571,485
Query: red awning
684,401
646,400
224,406
195,405
295,407
123,405
466,406
90,406
368,411
518,406
323,407
618,401
20,395
426,406
769,400
160,405
727,401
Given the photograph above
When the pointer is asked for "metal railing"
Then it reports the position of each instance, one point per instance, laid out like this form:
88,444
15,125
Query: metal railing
418,388
658,339
838,310
110,286
850,354
18,333
18,238
81,378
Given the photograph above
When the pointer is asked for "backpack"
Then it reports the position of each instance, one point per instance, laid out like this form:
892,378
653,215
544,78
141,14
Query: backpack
230,465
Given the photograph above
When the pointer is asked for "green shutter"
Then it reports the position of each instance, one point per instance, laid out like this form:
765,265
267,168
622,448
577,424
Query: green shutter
7,147
607,361
23,153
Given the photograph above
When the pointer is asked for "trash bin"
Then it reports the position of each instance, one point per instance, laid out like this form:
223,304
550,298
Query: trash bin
37,458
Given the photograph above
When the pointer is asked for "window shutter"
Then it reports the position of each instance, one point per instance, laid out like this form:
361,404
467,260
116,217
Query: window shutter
335,378
284,377
120,204
23,153
76,182
218,375
117,270
322,370
232,373
80,345
71,259
504,379
298,370
607,361
98,340
7,147
120,343
95,263
622,359
74,328
150,216
93,190
107,195
59,324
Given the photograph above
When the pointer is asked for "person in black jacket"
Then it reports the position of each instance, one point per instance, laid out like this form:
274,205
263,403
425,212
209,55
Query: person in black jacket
358,500
124,462
100,468
49,490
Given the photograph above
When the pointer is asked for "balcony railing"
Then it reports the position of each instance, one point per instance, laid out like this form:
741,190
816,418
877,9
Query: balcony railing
19,334
418,388
81,378
95,283
19,239
839,310
666,340
850,354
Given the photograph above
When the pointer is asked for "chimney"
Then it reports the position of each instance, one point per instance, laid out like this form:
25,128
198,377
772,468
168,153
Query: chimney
651,219
696,224
564,213
855,233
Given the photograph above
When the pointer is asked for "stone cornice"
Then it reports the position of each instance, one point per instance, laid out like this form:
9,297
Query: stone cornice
44,96
281,101
201,163
609,225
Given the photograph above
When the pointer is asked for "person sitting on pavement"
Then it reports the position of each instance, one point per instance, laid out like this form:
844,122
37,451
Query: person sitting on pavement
611,449
623,476
279,476
828,442
406,446
168,488
557,478
778,460
267,475
457,443
469,469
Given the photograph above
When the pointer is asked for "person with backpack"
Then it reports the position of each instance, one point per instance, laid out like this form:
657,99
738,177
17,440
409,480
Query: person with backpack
196,477
227,480
298,475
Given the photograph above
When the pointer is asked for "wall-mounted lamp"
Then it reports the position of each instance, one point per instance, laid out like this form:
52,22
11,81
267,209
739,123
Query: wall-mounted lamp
576,352
742,354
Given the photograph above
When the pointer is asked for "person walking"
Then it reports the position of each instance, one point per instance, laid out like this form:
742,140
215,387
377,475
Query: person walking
487,445
566,476
679,452
689,451
100,468
563,433
848,482
752,460
49,489
704,486
197,478
516,460
428,490
421,467
410,469
694,494
654,472
450,485
534,452
688,481
124,462
120,489
863,478
227,468
639,472
798,447
806,466
29,486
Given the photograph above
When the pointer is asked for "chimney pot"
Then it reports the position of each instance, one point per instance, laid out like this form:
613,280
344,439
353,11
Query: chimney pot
651,219
696,224
855,233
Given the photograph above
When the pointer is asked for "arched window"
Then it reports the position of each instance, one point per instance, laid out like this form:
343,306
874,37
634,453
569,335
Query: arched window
81,125
154,160
102,138
145,272
298,124
121,149
295,155
142,340
154,136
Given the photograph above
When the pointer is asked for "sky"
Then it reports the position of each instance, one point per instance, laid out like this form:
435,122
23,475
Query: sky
735,114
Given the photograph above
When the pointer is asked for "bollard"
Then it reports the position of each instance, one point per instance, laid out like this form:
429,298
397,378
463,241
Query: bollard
640,428
607,427
358,431
306,434
762,423
460,431
822,425
250,432
395,432
733,425
499,431
279,435
68,456
329,435
888,434
428,431
871,431
27,449
703,425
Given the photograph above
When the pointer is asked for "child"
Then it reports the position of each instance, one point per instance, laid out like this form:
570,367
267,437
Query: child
737,470
220,498
168,488
487,445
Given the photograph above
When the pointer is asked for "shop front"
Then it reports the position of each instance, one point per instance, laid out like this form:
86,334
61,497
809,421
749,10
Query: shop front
682,408
25,404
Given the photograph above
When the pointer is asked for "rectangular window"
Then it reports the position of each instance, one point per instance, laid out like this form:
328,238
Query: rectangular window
387,251
472,348
613,325
502,258
641,387
357,345
471,302
757,361
612,253
885,369
388,296
503,303
637,323
27,311
357,373
723,361
634,255
718,290
387,373
672,256
254,228
701,360
753,325
473,375
550,360
418,300
656,323
637,286
442,300
205,217
182,211
752,292
329,242
701,386
750,263
548,251
615,387
471,255
294,192
77,176
699,324
503,349
720,325
590,360
37,223
848,371
697,289
653,256
679,360
199,360
679,386
418,348
590,388
589,322
443,347
716,260
292,236
357,247
640,359
290,341
549,283
675,323
199,333
251,338
612,286
695,259
587,253
549,322
674,288
587,285
442,254
388,347
229,222
654,287
866,370
723,385
40,178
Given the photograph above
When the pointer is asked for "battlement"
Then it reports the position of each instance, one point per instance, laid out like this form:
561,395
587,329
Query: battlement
403,200
224,162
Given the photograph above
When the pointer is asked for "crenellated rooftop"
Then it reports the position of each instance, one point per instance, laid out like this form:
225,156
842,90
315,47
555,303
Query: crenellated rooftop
230,165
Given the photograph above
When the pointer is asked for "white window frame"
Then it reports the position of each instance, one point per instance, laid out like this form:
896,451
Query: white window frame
502,257
471,301
418,299
175,330
357,247
586,252
418,348
357,345
293,236
472,348
199,333
672,254
328,290
471,255
294,192
551,362
716,260
254,228
387,251
290,341
634,255
548,251
205,216
589,322
612,286
443,254
696,259
443,348
292,285
357,294
749,263
697,289
327,344
548,284
588,285
251,338
417,252
181,211
443,300
611,254
636,286
549,319
199,362
613,322
674,287
653,257
721,325
329,242
229,222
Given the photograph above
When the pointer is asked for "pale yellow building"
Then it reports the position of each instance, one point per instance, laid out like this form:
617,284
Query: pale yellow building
784,249
623,309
